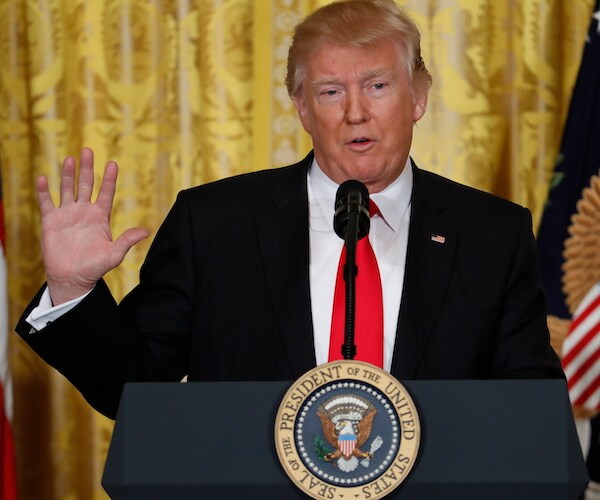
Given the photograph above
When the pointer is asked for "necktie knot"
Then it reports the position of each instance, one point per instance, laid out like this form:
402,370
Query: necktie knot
374,209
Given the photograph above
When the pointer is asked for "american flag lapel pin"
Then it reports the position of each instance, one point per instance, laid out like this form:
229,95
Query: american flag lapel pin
438,238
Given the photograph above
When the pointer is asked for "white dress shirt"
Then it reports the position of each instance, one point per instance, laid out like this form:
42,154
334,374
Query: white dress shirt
389,238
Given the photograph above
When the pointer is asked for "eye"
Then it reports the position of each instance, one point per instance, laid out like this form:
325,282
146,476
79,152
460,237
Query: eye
328,92
379,86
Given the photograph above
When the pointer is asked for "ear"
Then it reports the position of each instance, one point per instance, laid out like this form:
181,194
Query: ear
302,110
420,106
421,92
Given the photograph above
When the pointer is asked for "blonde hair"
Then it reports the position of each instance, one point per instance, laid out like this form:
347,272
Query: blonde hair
357,23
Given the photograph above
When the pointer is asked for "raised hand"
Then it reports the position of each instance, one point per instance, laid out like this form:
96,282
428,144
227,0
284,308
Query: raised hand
77,244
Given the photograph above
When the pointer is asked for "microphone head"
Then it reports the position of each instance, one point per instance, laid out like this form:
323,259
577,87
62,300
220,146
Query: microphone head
351,185
351,196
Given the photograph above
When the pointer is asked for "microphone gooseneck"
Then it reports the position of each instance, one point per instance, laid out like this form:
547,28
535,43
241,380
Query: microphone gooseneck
351,222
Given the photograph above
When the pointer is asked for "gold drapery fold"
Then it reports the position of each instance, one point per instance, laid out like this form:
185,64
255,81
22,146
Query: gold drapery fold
503,73
182,92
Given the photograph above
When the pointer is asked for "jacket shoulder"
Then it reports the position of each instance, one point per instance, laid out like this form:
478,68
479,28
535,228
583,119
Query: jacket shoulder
460,197
260,181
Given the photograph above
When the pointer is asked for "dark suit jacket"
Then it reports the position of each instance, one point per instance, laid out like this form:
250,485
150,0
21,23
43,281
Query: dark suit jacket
224,293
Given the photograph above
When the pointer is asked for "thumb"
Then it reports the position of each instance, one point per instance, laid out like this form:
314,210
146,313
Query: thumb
129,238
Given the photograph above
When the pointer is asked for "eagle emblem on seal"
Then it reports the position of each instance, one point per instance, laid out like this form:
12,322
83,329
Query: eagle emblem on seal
346,422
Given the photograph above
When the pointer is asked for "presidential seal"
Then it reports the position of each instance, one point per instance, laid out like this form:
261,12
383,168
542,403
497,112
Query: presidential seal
347,429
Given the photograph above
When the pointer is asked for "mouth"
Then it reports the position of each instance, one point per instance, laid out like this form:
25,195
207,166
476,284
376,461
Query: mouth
360,144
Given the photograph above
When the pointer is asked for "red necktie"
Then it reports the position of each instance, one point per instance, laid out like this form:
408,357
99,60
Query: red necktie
368,323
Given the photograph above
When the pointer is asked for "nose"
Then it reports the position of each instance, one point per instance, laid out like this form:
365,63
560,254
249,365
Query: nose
357,108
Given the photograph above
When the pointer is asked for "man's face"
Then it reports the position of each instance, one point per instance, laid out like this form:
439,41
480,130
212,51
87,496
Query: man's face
359,109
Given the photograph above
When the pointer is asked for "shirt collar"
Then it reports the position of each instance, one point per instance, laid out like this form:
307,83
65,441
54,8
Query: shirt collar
393,201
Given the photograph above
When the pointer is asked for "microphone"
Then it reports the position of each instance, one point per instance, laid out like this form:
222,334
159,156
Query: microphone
351,199
351,222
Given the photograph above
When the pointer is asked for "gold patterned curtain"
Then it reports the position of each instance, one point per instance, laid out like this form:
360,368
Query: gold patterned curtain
182,92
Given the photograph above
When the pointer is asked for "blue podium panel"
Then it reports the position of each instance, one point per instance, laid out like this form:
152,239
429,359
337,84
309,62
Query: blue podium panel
480,440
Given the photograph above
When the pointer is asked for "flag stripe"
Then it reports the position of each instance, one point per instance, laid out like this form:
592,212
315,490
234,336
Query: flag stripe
578,387
8,472
573,347
588,309
589,394
579,371
581,352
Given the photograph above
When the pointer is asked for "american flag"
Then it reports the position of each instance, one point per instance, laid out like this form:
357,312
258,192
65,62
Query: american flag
8,477
579,162
581,353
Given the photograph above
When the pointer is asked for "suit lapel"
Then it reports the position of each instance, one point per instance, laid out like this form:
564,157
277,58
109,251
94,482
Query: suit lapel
432,242
284,242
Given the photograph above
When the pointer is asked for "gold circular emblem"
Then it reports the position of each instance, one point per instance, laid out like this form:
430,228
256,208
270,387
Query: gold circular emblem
347,429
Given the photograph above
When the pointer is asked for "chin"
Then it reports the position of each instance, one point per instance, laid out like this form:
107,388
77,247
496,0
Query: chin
366,173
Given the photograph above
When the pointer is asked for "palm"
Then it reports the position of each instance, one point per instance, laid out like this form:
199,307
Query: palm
76,239
77,245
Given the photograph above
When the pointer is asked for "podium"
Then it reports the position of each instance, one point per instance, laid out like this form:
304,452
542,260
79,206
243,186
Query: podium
494,439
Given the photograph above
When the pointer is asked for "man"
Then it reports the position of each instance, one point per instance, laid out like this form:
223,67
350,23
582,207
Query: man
239,282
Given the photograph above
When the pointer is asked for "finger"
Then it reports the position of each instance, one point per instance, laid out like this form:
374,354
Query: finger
129,238
67,181
85,185
43,193
108,188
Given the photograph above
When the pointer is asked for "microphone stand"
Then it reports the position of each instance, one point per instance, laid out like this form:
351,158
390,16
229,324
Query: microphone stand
350,273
